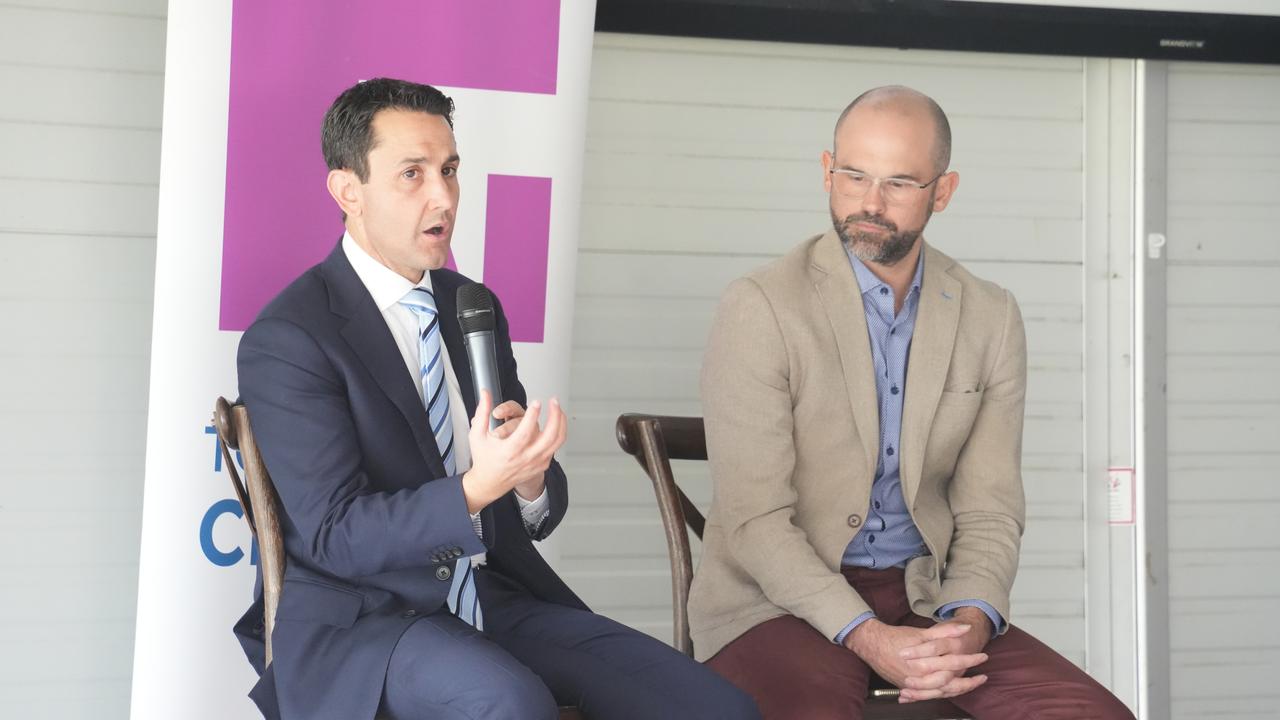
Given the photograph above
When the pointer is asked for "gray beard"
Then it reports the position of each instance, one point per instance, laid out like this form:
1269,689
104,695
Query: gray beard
879,249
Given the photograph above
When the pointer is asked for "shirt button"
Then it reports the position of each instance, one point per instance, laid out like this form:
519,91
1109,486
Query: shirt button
884,291
855,520
894,390
877,504
871,539
889,451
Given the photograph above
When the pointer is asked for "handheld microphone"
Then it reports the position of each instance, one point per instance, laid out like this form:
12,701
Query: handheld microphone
478,320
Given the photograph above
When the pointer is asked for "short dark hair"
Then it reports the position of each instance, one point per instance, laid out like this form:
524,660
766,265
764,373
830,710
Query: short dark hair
347,134
942,127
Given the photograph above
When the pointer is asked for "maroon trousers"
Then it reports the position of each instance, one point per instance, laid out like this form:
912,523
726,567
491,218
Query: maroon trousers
793,672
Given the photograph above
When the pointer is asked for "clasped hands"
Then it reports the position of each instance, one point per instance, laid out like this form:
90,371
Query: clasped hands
926,663
513,456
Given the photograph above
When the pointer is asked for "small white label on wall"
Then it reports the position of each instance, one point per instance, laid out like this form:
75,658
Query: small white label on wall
1123,494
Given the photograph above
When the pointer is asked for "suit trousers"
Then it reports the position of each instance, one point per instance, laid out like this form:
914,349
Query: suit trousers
792,671
534,655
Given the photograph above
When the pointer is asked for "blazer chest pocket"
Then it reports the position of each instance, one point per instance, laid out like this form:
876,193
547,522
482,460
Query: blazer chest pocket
958,406
305,601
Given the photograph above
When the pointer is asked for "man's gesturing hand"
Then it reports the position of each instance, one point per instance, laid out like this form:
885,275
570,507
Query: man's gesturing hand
513,456
925,663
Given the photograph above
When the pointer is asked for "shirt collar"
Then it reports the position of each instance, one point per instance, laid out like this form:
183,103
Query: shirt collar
867,280
385,285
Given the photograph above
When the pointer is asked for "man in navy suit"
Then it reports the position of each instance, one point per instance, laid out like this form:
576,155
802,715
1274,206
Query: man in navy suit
413,589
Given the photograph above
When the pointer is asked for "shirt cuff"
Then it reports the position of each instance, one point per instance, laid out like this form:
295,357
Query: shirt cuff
840,636
946,612
534,512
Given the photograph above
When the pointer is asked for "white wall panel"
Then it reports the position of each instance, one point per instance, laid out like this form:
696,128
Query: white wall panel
1224,389
80,138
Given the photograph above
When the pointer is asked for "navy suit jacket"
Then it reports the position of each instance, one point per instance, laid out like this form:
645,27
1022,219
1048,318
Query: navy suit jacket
372,524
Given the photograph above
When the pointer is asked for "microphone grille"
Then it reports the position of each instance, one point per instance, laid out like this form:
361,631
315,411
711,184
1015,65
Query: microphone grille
475,309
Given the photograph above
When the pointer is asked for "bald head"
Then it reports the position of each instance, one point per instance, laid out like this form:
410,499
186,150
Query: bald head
904,101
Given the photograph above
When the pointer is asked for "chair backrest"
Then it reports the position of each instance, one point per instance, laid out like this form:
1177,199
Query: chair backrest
655,440
259,500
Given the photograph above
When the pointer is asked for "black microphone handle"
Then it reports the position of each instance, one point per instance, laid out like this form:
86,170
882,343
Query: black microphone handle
484,368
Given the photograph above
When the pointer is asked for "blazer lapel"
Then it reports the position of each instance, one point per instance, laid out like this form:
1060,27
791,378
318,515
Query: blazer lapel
838,289
932,343
445,287
367,333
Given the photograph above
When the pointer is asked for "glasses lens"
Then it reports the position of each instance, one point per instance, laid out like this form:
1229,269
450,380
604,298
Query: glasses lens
852,185
896,191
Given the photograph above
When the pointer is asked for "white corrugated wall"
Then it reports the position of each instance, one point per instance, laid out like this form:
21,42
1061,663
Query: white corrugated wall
1224,389
80,104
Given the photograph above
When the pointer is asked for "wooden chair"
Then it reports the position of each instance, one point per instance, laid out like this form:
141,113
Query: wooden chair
654,441
260,503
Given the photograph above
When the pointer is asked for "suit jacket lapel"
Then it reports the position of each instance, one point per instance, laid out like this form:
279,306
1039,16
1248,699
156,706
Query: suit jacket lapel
445,286
932,343
367,333
838,289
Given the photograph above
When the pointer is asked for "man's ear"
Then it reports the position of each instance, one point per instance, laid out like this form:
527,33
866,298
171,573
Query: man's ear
344,187
828,162
947,185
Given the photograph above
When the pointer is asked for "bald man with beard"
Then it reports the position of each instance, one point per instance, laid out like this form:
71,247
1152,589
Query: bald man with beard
864,400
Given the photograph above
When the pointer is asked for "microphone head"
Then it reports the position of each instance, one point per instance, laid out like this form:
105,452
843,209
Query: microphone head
475,309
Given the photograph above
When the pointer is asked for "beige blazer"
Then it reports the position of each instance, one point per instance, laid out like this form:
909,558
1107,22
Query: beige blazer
793,435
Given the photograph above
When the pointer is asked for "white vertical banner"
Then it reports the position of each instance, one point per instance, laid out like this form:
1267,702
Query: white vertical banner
243,211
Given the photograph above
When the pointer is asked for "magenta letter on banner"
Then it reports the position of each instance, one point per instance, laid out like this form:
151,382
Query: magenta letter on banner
517,236
291,58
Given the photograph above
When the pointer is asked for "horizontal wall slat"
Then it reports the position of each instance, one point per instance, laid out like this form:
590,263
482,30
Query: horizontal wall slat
101,41
82,154
90,98
77,207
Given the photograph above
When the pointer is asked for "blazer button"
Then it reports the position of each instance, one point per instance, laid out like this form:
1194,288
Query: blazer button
443,572
855,520
410,613
457,552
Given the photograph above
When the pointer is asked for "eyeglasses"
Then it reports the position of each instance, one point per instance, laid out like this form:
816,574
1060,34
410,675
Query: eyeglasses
896,191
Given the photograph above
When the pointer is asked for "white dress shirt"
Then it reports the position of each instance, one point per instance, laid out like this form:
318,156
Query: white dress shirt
388,288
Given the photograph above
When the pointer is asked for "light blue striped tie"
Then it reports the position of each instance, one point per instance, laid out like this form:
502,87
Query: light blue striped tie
462,593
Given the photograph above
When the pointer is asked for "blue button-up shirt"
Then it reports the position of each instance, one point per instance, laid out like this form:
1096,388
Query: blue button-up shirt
889,537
